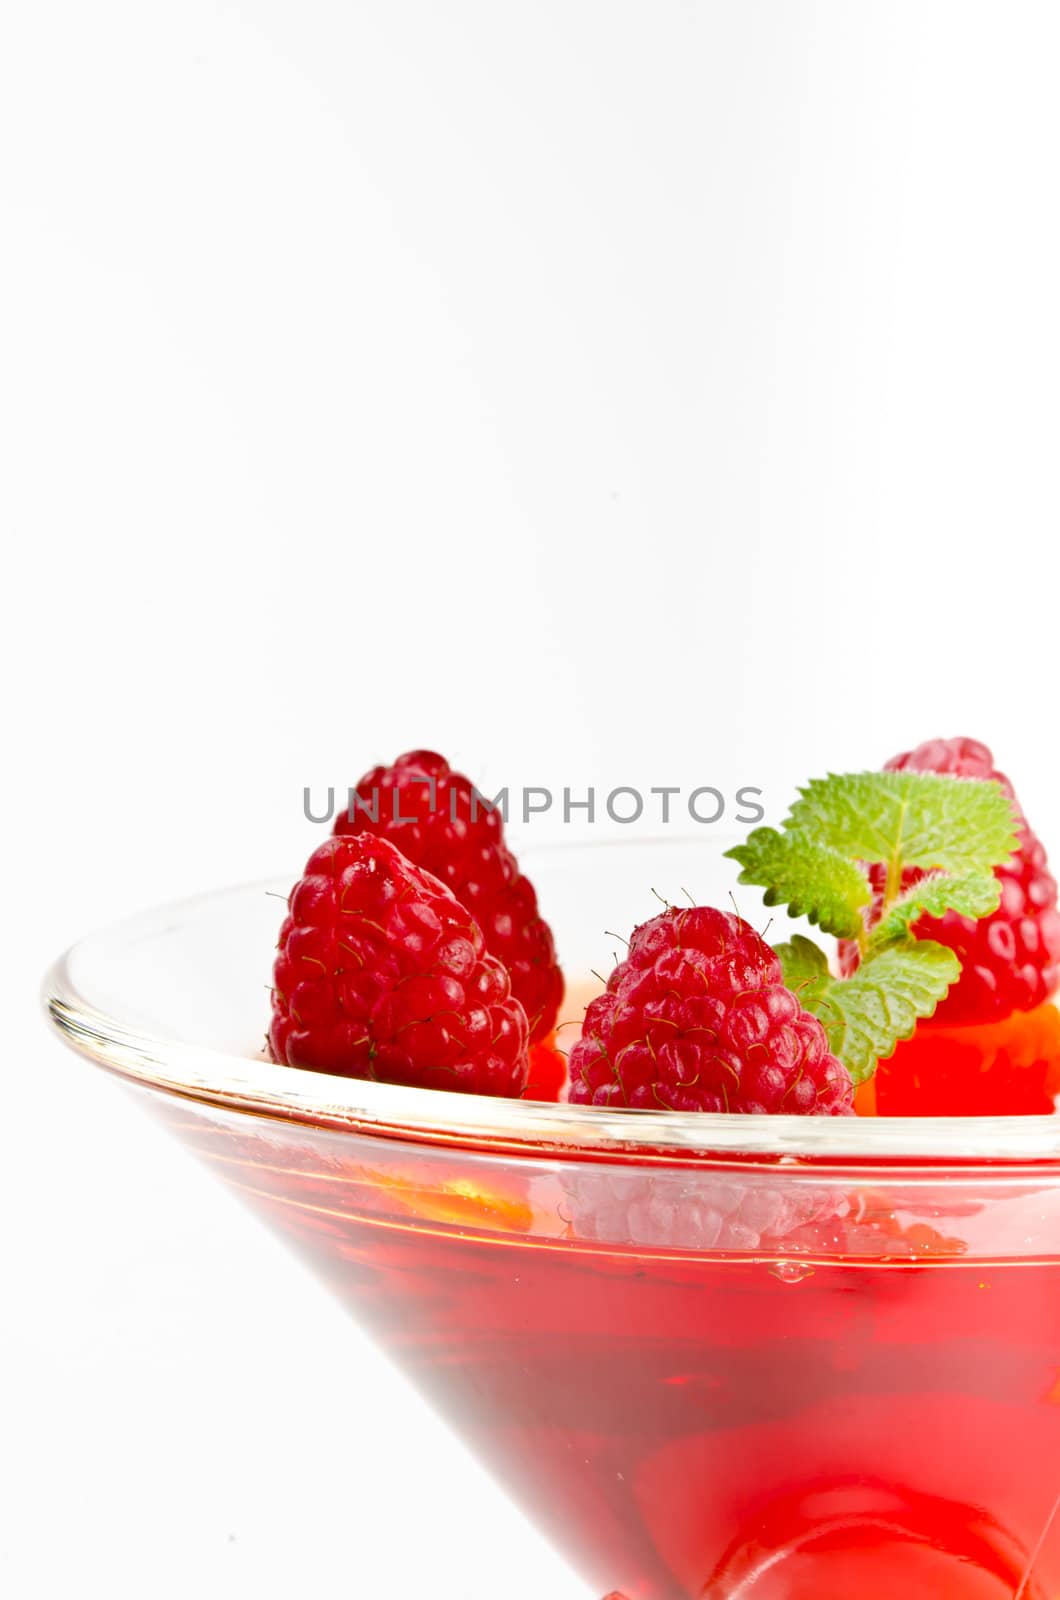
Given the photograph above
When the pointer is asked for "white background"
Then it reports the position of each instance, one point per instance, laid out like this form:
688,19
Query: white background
601,392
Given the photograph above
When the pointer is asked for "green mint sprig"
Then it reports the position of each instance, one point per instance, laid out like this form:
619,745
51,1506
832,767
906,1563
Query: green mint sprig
955,830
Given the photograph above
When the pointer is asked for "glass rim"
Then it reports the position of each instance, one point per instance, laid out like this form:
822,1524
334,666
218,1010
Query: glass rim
258,1087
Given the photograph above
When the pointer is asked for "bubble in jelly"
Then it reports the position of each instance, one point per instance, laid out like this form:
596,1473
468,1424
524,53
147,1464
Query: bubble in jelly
791,1271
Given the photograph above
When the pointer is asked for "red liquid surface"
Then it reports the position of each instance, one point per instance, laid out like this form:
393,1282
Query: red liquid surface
868,1409
1008,1068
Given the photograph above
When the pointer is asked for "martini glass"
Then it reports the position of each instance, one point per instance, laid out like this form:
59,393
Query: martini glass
782,1358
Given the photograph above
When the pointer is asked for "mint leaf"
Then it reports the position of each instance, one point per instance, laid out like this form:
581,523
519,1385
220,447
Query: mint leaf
974,894
953,831
808,877
866,1015
917,819
804,964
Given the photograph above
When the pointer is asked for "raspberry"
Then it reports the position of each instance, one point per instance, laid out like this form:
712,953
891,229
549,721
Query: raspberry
674,1210
381,973
437,819
1010,961
697,1018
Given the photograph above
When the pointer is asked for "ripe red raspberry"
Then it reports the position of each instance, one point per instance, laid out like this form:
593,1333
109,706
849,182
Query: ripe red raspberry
381,973
697,1018
436,818
1010,961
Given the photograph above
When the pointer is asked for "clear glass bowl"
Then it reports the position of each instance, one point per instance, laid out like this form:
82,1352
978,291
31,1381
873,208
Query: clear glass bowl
713,1356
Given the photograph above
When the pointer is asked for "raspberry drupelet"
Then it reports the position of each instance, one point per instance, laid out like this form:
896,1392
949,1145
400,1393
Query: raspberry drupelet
382,973
438,820
697,1018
